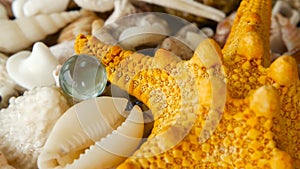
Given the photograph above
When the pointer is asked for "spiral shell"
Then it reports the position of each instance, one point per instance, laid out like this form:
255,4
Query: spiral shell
21,33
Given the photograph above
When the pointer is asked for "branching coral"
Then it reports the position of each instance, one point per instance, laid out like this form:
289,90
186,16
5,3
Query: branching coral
260,123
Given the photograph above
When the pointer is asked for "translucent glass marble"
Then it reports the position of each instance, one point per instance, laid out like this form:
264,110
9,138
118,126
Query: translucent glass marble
82,77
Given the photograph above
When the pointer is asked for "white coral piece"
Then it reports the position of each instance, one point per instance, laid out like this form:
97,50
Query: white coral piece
26,124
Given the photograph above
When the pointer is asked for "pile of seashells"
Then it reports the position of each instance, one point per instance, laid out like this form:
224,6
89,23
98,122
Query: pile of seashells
37,37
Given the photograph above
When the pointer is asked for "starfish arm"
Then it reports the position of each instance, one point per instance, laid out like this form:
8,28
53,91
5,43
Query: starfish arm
249,36
285,75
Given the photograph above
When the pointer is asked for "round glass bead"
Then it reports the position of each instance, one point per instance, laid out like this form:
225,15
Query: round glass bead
82,77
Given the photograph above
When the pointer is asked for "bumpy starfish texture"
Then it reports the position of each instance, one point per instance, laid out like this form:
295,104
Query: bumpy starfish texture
259,125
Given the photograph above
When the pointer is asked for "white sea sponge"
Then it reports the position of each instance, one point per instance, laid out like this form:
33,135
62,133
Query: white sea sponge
26,124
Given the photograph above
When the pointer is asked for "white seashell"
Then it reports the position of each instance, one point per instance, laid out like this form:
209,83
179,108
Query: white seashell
209,32
96,5
32,69
192,7
34,7
148,30
63,51
23,8
17,8
3,12
8,7
82,25
122,8
78,138
284,8
7,85
21,33
26,124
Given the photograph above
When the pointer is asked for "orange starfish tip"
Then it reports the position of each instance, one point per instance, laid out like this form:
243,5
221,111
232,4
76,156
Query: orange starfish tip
284,71
80,43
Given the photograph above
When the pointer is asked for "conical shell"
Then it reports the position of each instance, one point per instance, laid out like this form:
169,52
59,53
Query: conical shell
21,33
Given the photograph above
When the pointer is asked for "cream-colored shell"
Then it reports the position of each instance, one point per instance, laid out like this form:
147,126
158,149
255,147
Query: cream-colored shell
26,124
122,8
192,7
81,137
285,9
146,30
8,6
32,69
23,8
3,12
21,33
17,8
81,25
96,5
34,7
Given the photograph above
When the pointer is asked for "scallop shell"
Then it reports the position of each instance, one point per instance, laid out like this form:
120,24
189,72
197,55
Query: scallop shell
89,135
81,25
21,33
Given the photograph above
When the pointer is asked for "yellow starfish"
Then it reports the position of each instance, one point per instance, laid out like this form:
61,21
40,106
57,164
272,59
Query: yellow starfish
259,127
